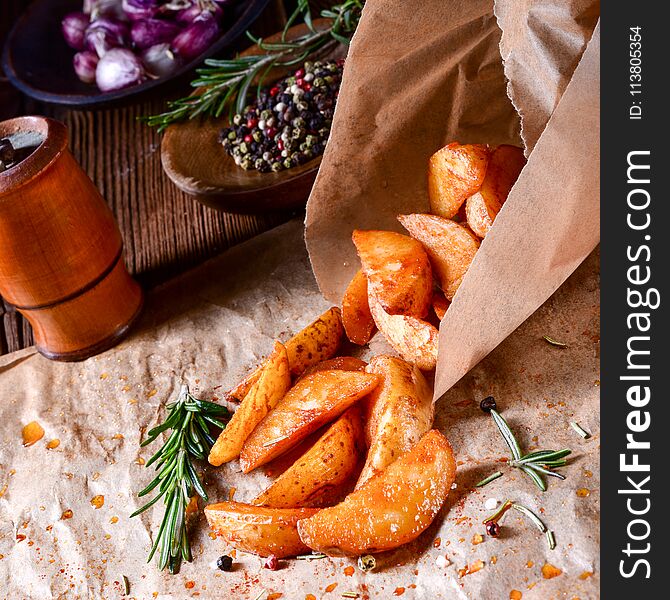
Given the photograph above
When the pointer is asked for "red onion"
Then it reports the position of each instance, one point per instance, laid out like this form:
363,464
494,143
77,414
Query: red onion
103,8
196,38
84,65
119,68
150,32
73,26
160,60
140,9
104,34
201,9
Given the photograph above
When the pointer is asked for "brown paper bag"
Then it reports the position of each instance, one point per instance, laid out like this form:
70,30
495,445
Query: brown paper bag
419,75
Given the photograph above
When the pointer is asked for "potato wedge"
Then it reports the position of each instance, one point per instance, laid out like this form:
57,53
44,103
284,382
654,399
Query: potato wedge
356,317
339,363
312,402
397,269
273,383
318,476
391,509
400,412
481,211
503,170
455,172
415,340
450,246
316,342
238,393
259,530
440,305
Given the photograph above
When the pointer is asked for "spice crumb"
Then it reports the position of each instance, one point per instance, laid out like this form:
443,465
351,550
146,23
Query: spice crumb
189,585
331,587
399,591
349,571
586,575
67,514
98,501
437,542
515,595
478,538
583,492
549,571
478,565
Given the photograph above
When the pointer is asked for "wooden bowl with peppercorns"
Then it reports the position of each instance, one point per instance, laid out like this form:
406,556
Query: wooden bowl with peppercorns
233,165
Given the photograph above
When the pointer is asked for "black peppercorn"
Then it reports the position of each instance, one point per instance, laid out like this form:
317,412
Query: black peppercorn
488,404
225,563
493,529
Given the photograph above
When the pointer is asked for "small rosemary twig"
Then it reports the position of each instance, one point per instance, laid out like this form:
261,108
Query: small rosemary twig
534,464
188,420
226,83
524,510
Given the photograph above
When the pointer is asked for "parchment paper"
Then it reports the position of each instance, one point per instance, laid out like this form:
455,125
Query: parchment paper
404,96
209,328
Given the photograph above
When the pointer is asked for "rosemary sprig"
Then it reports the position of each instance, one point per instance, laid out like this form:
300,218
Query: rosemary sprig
534,464
188,420
222,84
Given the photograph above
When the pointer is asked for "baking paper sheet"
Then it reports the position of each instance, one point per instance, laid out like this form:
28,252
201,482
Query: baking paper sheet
208,328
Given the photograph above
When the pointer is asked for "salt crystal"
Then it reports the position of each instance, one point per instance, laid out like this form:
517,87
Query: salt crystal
442,561
491,503
454,486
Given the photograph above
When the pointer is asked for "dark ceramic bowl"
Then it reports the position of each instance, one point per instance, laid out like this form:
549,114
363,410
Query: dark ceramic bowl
37,60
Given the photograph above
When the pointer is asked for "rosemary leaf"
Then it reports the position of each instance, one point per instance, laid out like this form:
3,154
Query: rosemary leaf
507,434
531,515
539,482
551,540
580,430
489,479
554,342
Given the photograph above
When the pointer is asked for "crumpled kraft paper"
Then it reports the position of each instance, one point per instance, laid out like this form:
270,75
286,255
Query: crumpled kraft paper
209,328
440,79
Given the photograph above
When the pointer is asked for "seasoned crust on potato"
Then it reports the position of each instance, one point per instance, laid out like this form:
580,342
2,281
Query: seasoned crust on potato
450,246
397,269
400,412
312,402
258,529
390,509
318,477
455,172
356,317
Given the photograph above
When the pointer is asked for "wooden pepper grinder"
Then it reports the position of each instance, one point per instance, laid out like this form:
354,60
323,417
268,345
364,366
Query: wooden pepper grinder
61,261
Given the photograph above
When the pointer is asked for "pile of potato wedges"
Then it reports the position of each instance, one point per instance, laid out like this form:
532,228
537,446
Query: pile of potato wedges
364,429
365,451
403,277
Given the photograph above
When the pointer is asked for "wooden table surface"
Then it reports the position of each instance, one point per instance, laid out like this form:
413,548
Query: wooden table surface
165,231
